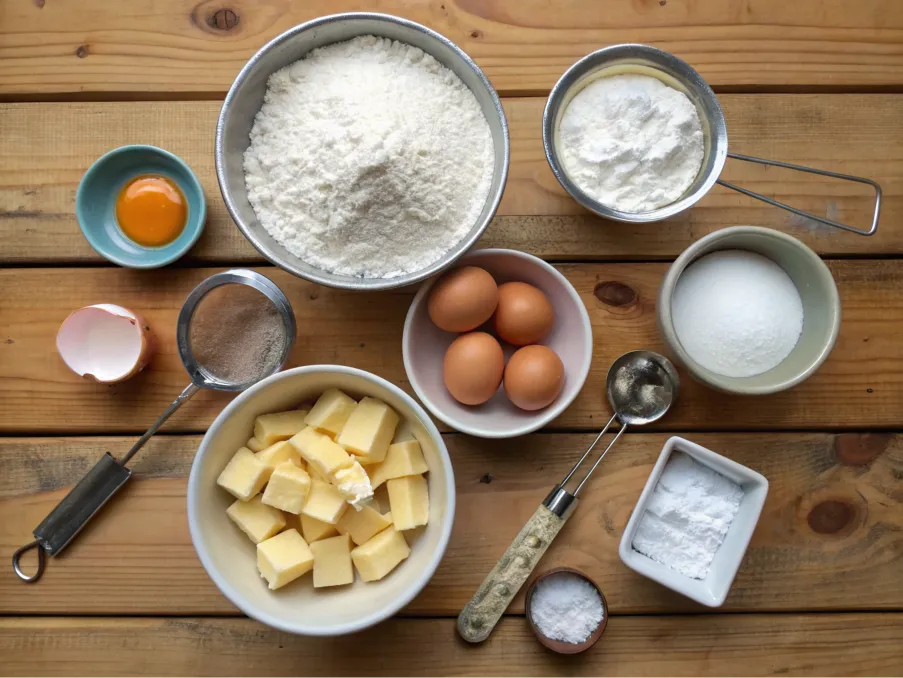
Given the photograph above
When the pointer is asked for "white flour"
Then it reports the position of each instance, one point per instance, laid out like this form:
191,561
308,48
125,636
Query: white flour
368,158
566,607
631,142
737,313
687,516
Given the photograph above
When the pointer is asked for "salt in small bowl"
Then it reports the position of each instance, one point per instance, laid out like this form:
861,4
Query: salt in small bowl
557,645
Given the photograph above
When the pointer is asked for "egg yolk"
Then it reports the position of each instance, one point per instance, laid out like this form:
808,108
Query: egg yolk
151,210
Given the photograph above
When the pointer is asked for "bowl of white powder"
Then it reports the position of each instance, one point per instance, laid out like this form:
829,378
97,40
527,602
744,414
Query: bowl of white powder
634,134
749,310
362,151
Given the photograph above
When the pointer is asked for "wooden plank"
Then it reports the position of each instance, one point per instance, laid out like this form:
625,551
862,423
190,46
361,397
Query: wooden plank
859,386
45,149
184,46
830,536
716,645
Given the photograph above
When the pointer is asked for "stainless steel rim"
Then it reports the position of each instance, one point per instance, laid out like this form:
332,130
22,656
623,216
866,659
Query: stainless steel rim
371,283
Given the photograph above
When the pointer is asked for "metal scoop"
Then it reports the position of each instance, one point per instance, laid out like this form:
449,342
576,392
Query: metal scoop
641,387
108,476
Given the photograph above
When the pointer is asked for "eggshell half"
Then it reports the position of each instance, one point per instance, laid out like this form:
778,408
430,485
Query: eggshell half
105,342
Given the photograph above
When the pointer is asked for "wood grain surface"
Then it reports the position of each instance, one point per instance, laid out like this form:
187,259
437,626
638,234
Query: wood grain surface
860,386
830,536
700,645
45,149
198,46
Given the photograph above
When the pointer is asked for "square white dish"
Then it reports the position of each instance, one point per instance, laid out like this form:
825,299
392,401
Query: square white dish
711,591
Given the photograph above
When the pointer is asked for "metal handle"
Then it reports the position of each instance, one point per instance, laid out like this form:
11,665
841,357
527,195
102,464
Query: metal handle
482,613
17,556
189,391
809,170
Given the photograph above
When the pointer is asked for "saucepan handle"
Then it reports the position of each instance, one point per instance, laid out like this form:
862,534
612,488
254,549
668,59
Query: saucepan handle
802,213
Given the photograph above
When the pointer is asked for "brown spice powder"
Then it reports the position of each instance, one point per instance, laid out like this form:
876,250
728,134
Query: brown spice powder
236,334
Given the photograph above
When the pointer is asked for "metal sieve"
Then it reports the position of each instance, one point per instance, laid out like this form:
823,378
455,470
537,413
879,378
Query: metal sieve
108,476
646,60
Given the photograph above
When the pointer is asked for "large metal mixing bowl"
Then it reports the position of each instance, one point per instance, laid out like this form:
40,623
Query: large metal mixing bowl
245,98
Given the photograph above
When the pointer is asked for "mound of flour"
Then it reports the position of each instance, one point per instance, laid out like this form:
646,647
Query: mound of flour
368,158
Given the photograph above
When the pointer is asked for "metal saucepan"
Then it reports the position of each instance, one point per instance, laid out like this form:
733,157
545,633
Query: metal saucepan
646,60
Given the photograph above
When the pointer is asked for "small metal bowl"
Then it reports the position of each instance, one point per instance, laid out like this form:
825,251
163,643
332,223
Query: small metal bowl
556,645
674,72
818,292
245,98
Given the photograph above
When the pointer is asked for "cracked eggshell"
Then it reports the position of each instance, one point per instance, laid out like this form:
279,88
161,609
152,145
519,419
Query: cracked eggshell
105,342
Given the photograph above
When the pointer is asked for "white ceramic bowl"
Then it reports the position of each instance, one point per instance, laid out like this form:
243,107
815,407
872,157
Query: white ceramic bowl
424,346
713,590
230,558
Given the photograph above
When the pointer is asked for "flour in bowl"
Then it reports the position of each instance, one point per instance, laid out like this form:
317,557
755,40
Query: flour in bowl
368,158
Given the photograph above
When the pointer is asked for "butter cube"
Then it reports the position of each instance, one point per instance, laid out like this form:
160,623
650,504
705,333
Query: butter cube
279,452
284,558
288,488
402,459
369,430
321,452
324,502
410,502
315,530
363,524
255,445
304,439
354,485
271,428
244,475
256,519
331,411
332,562
379,555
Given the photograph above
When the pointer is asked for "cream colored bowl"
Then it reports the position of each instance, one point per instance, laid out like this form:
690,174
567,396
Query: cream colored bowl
230,558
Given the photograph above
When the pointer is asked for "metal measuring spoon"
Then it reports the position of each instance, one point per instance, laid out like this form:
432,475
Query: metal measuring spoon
108,476
641,388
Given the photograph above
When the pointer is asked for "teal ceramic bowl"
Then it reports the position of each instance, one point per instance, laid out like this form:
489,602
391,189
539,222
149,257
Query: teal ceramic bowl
95,205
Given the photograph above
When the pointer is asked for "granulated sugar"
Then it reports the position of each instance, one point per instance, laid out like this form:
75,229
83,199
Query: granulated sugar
237,334
566,607
687,516
369,158
736,313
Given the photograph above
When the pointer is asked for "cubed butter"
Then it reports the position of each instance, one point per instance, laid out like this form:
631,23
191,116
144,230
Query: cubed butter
402,459
315,530
363,524
284,558
369,430
304,439
324,502
288,488
380,555
410,502
332,562
279,452
271,428
256,519
255,445
323,453
354,484
244,475
331,411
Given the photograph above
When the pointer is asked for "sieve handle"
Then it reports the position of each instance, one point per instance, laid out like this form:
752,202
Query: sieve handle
802,213
480,616
184,396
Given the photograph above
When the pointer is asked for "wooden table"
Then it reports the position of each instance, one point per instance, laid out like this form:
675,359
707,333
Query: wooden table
821,588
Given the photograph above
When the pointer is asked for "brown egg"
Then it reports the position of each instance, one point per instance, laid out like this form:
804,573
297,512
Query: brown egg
473,368
534,377
463,300
524,314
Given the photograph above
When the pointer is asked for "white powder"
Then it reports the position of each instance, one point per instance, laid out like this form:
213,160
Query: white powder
737,313
631,142
687,516
368,158
566,607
